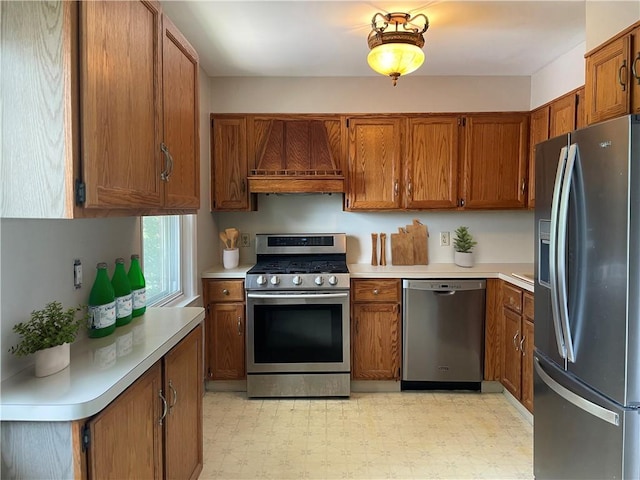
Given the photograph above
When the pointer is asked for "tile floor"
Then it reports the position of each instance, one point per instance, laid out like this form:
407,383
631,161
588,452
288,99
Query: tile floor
421,435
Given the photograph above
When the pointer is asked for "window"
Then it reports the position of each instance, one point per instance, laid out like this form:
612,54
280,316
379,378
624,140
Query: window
168,256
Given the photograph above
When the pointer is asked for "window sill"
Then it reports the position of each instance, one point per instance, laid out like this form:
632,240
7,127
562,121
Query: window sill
181,301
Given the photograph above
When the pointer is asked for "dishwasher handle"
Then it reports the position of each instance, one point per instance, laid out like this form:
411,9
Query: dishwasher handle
444,293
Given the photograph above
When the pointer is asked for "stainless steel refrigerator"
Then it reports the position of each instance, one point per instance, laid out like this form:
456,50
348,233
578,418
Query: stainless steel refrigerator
587,303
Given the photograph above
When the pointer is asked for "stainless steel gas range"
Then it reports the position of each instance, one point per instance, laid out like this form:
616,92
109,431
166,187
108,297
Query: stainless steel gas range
298,317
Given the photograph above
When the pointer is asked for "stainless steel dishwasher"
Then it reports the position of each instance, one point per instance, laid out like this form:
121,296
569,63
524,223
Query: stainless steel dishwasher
443,334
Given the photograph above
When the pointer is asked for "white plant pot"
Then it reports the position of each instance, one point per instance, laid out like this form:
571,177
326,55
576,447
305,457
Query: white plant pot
230,257
463,259
52,360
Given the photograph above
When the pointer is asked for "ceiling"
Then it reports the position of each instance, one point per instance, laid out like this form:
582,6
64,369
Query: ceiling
329,38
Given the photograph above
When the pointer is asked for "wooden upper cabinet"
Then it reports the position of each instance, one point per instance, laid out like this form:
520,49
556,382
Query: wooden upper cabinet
635,71
607,81
431,166
538,132
120,103
495,161
181,122
562,115
229,190
374,163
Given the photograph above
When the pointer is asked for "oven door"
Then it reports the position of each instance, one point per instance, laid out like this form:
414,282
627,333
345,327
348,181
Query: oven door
290,332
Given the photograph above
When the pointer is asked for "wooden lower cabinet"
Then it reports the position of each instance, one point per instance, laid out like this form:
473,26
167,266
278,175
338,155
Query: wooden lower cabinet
375,330
126,437
154,428
516,362
225,329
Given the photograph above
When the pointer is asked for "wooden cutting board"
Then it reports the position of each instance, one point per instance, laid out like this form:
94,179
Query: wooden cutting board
401,249
419,236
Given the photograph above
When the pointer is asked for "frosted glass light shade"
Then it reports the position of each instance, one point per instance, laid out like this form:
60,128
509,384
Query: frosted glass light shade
394,59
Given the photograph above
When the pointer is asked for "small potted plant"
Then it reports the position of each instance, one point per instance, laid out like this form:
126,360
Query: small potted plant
48,334
463,244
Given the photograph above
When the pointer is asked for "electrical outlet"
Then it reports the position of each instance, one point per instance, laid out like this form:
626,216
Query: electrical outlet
445,239
245,240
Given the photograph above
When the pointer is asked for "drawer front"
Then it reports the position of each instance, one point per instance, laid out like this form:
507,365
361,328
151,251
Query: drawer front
512,297
224,290
376,290
527,309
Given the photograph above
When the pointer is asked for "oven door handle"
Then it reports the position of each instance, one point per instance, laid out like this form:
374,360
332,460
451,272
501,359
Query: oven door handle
297,296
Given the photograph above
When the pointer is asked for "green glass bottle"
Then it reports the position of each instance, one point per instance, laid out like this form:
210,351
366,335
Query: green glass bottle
102,305
136,280
122,290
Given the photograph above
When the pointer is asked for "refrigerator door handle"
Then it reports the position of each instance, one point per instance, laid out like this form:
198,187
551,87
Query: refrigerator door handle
563,219
582,403
553,252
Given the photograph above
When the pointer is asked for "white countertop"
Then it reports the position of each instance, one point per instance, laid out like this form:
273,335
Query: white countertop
220,272
503,271
100,369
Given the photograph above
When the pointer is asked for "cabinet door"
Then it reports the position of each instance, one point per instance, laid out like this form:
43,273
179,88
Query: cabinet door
181,122
126,437
607,81
120,103
229,164
375,333
183,382
225,331
374,164
431,168
511,355
562,115
495,161
527,365
635,71
538,132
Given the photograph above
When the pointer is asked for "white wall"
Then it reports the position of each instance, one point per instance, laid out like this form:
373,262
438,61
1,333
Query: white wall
564,74
504,236
605,19
369,94
205,222
36,267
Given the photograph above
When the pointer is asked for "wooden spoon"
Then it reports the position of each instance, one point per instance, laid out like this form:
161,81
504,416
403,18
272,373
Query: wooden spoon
232,235
225,240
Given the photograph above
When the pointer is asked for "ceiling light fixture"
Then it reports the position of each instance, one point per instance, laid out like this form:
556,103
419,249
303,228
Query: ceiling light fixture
397,51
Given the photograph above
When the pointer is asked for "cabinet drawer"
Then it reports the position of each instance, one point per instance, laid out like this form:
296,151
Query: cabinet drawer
376,290
512,297
224,290
527,309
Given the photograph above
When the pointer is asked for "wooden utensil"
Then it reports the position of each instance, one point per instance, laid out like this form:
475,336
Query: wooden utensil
374,249
232,235
225,240
419,236
383,249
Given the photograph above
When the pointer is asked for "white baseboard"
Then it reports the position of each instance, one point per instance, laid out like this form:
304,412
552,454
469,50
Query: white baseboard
526,414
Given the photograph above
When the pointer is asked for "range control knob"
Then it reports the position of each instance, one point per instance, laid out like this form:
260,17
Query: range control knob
297,280
333,280
319,280
274,280
261,280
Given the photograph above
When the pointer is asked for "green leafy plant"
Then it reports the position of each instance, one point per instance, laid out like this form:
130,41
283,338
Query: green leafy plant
48,327
463,242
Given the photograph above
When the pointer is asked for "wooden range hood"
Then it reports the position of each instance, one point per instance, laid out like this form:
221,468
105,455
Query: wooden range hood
293,155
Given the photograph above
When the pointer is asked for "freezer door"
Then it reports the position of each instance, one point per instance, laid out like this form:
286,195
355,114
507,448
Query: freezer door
597,268
549,154
578,433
